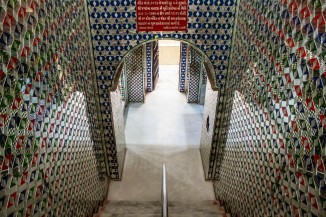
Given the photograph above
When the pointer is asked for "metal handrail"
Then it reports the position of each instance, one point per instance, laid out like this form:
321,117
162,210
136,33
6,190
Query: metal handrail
164,194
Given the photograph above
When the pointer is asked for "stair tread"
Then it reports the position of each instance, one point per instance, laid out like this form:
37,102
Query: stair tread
159,215
192,210
153,209
130,215
194,206
195,215
158,203
134,203
135,211
133,207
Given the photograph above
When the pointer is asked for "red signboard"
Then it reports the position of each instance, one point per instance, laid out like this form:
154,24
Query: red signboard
162,15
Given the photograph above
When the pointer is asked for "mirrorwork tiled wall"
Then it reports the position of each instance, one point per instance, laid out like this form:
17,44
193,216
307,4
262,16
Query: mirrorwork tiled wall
274,160
51,159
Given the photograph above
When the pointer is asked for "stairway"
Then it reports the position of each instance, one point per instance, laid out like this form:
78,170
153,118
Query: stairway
154,208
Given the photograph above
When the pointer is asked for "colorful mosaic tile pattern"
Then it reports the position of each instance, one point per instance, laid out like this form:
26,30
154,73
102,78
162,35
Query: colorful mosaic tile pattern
51,155
274,158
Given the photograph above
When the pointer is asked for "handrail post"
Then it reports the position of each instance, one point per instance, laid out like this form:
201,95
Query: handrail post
164,194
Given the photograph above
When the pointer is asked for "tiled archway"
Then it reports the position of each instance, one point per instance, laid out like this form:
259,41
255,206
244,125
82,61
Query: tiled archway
114,34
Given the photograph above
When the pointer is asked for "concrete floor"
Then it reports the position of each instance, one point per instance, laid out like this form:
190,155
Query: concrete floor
164,129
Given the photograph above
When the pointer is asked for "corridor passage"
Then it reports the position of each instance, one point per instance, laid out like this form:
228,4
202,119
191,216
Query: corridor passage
164,129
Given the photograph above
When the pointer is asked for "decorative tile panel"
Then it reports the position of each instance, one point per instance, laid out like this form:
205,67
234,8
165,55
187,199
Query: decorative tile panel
155,66
204,76
183,66
51,155
114,33
274,158
149,66
194,71
135,72
122,86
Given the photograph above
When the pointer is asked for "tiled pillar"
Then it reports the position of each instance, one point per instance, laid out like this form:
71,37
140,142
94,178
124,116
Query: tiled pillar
183,67
135,75
193,74
122,85
208,130
118,128
149,67
202,90
152,65
155,66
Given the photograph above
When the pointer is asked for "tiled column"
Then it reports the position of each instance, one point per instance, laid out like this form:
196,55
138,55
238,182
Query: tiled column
155,63
149,67
135,75
183,66
194,69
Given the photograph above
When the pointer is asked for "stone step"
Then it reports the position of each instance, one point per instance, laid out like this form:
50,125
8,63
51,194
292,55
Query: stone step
131,210
130,207
182,210
154,209
159,215
130,215
135,203
195,215
179,207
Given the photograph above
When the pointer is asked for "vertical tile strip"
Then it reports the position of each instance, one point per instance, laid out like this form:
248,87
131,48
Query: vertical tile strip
183,67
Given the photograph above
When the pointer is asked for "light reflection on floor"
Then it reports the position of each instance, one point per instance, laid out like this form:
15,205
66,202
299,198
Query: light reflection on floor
163,129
